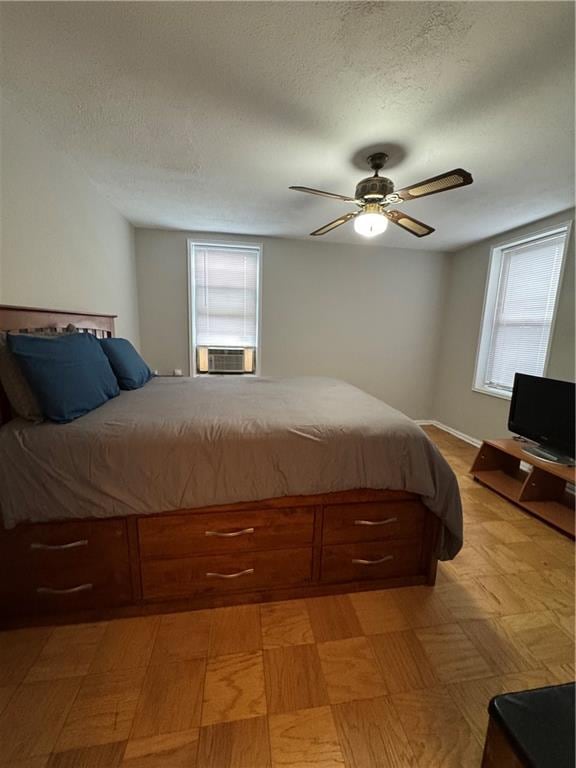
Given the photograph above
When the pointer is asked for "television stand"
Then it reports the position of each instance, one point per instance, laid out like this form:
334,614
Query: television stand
540,491
545,455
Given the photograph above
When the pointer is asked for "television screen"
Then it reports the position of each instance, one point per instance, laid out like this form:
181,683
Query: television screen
543,410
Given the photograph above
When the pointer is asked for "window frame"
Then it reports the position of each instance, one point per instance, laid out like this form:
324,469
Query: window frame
221,242
491,292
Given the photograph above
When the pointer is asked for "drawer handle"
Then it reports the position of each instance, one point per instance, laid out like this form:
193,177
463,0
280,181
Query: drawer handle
229,534
70,545
376,522
230,575
70,591
373,562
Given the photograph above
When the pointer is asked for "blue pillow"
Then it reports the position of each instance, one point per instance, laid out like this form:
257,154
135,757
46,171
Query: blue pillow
129,368
69,374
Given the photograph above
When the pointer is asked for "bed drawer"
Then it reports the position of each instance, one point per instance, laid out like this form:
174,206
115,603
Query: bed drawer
371,560
65,566
225,532
215,574
373,521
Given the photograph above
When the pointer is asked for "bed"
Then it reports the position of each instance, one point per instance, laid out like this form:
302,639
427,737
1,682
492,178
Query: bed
198,492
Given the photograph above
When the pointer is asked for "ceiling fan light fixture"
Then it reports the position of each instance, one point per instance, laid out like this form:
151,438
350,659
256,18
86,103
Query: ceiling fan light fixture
370,223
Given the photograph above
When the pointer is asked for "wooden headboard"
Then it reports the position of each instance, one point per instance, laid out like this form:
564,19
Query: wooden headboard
23,319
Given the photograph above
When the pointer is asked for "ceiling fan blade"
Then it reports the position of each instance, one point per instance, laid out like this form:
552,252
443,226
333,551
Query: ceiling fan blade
324,194
333,224
450,180
411,225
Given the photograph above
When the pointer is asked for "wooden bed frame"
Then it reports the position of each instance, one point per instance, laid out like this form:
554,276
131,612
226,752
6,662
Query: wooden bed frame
294,546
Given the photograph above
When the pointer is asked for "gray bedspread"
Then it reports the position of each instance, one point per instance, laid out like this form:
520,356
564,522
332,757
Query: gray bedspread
180,443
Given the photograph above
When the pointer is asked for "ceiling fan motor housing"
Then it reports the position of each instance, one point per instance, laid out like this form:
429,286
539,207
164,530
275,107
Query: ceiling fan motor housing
374,188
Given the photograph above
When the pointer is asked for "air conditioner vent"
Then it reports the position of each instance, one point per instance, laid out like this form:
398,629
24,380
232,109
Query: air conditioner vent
225,360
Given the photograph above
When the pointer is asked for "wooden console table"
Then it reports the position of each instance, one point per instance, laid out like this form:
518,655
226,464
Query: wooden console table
541,491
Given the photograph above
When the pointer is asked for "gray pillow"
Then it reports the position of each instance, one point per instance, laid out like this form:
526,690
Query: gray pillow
19,393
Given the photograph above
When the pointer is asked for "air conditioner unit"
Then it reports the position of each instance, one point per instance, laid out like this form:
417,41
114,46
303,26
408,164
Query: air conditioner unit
225,360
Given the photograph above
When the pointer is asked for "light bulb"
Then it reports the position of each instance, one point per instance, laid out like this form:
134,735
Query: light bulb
370,224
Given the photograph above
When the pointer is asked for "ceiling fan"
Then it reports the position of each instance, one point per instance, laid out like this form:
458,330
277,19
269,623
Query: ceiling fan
375,194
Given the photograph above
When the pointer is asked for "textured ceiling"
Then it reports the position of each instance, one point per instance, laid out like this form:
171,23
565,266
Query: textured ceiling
200,115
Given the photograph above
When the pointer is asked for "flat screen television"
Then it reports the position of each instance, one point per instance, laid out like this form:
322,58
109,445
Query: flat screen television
543,410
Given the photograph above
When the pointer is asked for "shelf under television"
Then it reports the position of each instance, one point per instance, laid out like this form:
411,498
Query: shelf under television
541,491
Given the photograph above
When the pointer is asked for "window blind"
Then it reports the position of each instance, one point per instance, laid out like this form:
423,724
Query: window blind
527,290
225,293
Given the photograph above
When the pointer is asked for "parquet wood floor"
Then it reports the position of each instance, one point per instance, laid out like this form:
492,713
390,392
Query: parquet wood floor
397,678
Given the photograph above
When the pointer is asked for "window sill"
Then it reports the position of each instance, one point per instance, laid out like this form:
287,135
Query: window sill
500,393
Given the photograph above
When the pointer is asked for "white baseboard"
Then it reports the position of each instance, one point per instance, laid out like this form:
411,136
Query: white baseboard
451,431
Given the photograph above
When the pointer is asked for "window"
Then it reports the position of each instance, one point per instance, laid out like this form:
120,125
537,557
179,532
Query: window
519,310
224,295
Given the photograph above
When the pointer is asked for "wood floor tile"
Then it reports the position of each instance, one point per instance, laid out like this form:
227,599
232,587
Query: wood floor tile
235,630
531,553
505,531
19,649
182,636
567,622
467,599
333,618
34,716
239,744
69,652
504,509
543,590
476,512
171,699
403,664
473,696
102,756
436,731
444,576
506,599
471,561
541,636
371,735
173,750
497,647
531,526
559,546
6,693
452,655
351,670
127,644
562,580
28,762
564,673
286,623
293,678
103,710
305,739
423,607
379,611
478,535
234,688
504,558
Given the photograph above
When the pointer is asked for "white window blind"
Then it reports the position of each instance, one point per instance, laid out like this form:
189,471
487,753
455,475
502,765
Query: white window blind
518,319
225,295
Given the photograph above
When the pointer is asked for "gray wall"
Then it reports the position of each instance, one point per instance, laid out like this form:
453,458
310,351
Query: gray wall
365,314
62,246
455,403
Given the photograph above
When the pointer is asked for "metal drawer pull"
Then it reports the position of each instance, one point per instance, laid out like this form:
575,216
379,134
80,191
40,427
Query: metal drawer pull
230,534
230,575
70,545
70,591
373,562
376,522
